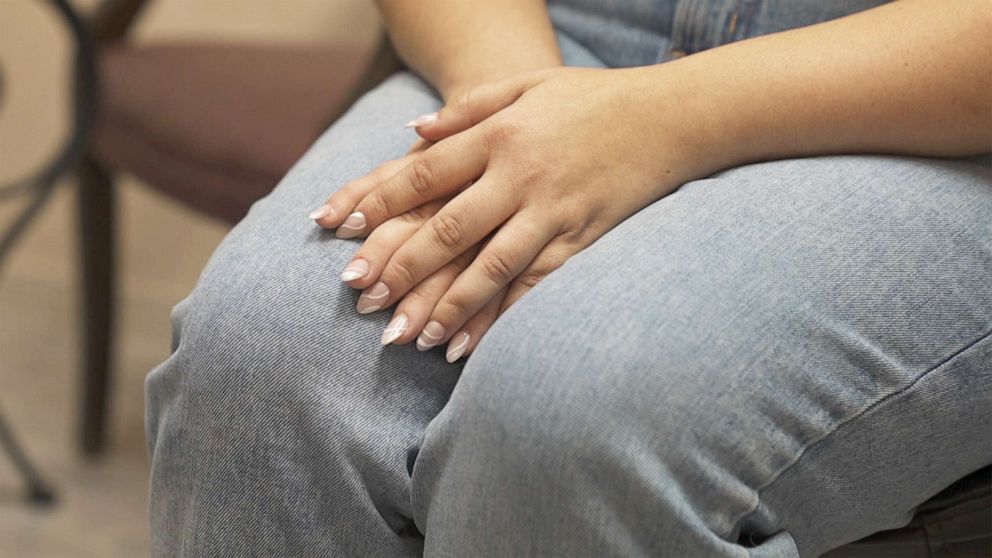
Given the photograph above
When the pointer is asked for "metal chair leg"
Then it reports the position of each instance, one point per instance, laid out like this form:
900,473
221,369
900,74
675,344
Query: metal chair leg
96,220
38,491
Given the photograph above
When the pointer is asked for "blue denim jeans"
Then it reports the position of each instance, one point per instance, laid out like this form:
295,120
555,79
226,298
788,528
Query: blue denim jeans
773,361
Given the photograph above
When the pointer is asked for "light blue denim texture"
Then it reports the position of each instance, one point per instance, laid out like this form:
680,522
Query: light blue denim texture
770,362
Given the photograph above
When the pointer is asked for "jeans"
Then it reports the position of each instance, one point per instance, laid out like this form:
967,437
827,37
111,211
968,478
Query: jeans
770,362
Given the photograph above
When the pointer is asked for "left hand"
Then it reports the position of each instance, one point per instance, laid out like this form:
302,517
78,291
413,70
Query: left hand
556,159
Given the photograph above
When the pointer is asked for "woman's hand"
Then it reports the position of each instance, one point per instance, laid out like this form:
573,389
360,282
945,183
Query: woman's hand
415,308
560,156
555,159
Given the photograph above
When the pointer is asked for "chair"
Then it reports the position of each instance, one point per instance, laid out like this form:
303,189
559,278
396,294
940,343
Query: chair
208,125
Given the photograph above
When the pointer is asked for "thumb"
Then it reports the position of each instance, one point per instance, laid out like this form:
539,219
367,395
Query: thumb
472,106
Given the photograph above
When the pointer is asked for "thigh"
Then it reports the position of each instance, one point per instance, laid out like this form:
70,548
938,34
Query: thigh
796,347
279,425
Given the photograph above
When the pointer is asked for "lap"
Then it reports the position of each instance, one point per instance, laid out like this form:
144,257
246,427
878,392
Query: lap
737,324
270,298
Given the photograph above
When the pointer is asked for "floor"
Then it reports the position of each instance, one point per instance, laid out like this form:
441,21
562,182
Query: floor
102,504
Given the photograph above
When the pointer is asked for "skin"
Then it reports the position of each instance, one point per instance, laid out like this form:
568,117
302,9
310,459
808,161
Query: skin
557,157
456,45
483,55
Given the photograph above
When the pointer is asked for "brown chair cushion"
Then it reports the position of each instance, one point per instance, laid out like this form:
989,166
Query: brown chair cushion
217,126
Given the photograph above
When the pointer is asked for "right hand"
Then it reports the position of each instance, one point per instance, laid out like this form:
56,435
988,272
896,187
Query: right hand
413,310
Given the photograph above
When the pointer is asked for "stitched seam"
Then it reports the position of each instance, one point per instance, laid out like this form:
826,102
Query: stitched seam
764,487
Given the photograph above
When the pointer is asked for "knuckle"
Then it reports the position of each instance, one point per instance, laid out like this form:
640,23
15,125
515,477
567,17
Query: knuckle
463,100
447,230
422,177
536,273
379,204
528,171
502,130
574,239
410,217
496,266
456,306
531,278
401,272
417,215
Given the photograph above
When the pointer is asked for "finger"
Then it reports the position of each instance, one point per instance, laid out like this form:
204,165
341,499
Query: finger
550,258
474,329
416,306
372,255
507,254
441,170
419,146
461,223
473,106
337,207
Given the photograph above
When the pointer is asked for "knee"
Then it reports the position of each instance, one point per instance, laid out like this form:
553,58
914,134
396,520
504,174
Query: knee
255,360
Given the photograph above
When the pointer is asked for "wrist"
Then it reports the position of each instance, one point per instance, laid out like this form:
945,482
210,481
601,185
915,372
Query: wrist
455,81
696,118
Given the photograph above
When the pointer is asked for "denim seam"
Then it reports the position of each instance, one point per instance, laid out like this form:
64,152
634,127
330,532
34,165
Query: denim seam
768,484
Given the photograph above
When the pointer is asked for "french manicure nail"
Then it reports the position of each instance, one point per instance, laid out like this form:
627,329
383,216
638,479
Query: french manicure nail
352,226
422,120
321,212
457,346
357,269
430,336
373,299
397,327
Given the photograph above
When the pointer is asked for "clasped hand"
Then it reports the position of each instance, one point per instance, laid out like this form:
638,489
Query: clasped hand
510,180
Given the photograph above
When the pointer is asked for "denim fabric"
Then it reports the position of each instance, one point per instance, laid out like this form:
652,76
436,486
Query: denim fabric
770,362
639,32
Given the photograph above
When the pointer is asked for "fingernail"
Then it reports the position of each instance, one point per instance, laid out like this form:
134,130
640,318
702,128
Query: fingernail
321,212
457,346
422,120
397,326
430,336
373,299
357,269
352,226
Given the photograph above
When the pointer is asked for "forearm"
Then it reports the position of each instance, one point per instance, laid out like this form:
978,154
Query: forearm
456,44
912,77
